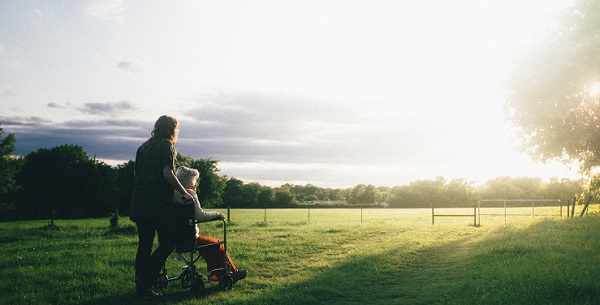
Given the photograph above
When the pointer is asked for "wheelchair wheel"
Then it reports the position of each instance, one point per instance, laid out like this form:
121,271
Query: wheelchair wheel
226,282
197,286
187,276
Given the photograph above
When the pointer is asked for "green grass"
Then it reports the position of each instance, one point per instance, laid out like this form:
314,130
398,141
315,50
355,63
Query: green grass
321,257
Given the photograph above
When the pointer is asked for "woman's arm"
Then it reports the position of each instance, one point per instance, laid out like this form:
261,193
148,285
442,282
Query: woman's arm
174,182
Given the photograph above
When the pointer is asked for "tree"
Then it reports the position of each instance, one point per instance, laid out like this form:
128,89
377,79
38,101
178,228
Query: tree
428,192
250,194
232,193
211,185
64,179
9,166
265,197
563,189
357,194
283,198
124,185
554,91
307,192
458,193
513,188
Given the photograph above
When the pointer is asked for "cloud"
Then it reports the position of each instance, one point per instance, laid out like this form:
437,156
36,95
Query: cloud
22,120
12,92
276,116
108,108
106,9
2,51
240,127
253,127
56,105
103,109
130,66
105,139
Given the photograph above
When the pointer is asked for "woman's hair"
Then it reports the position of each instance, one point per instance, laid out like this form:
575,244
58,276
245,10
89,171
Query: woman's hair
166,127
187,175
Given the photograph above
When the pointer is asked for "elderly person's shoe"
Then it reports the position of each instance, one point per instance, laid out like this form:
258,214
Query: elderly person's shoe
240,275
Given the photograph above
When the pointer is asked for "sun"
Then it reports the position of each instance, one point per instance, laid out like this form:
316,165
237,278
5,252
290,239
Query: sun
594,89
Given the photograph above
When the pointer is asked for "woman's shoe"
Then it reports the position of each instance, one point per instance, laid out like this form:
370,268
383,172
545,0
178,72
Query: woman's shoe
147,293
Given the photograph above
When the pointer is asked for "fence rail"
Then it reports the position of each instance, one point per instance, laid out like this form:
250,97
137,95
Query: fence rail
323,215
454,212
477,214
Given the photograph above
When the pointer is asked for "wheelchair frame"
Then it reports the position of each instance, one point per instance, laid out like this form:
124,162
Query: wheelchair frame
189,275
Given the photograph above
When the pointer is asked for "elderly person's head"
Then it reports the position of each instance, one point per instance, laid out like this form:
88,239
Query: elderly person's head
188,177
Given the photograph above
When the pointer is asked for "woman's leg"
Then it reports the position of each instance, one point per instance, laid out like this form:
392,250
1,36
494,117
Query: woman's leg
166,243
146,239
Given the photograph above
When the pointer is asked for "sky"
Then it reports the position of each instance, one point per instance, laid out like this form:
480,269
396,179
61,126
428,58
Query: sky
332,93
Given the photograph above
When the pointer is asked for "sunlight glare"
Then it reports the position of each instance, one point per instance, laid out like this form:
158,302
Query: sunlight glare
594,89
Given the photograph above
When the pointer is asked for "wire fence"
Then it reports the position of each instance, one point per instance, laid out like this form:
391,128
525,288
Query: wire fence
504,210
325,215
483,212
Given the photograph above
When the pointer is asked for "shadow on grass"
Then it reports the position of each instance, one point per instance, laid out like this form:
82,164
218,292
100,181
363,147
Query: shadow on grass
544,263
392,277
535,265
171,295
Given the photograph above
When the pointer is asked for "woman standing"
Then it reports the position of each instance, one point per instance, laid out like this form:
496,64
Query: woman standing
152,202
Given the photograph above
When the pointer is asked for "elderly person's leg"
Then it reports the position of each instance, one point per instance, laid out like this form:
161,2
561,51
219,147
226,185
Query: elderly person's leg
215,257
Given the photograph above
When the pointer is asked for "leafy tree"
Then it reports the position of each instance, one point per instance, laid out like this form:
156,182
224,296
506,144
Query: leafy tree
384,194
458,193
283,198
232,193
250,194
181,160
428,192
265,197
336,195
9,166
124,184
307,192
509,188
401,197
370,195
554,90
357,194
64,179
563,189
211,185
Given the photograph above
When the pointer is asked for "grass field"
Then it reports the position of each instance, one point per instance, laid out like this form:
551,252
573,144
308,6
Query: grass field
321,256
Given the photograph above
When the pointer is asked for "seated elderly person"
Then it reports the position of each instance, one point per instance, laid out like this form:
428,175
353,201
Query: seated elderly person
214,256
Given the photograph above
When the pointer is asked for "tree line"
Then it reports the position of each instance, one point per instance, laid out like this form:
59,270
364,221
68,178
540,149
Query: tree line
64,182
